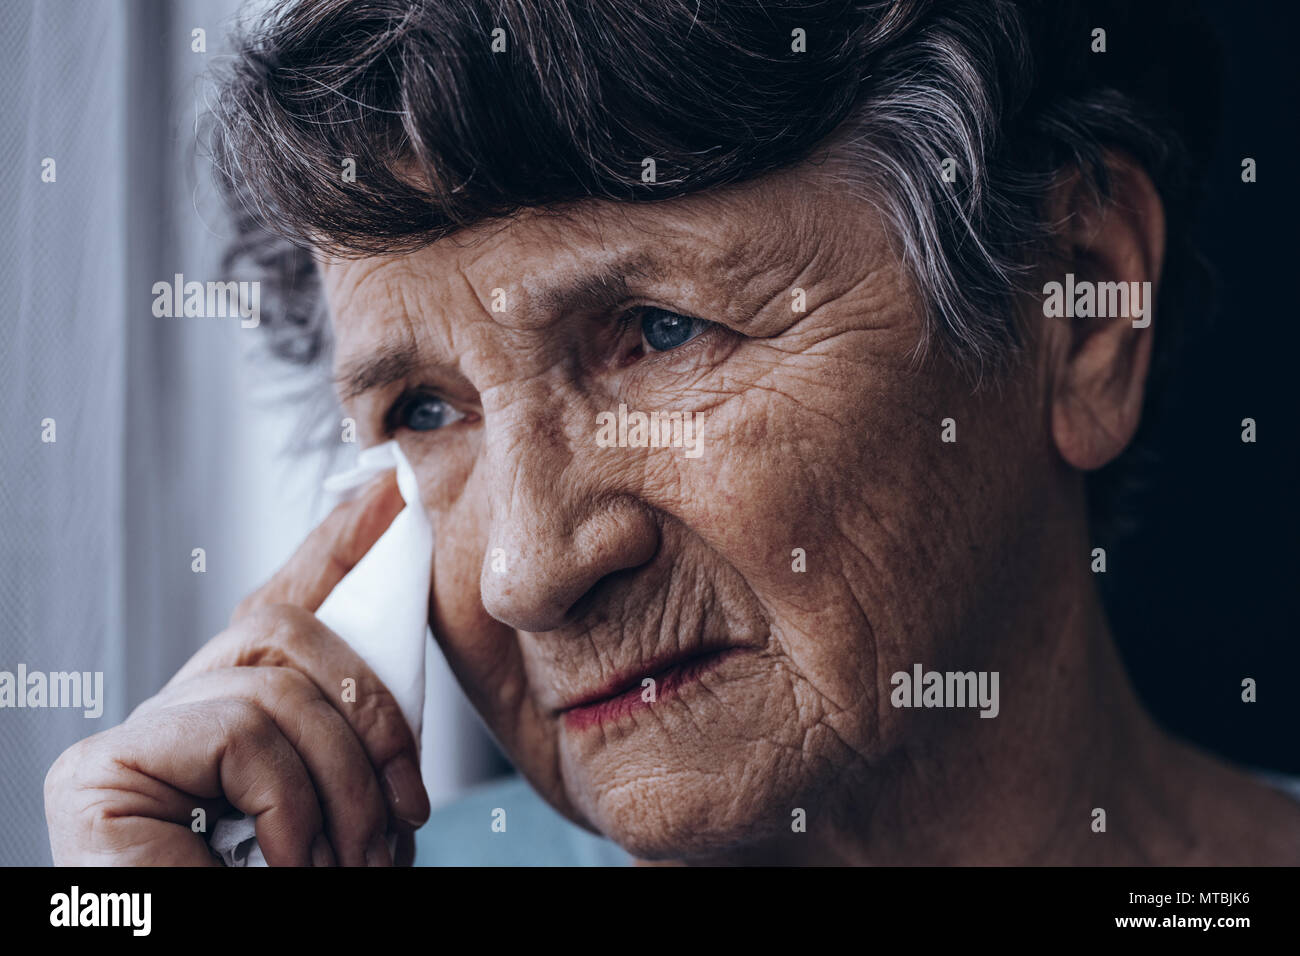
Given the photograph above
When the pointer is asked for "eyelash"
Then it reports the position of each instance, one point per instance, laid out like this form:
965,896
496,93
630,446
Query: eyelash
393,418
632,317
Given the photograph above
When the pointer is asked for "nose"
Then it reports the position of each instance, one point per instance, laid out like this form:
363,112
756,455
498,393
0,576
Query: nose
557,525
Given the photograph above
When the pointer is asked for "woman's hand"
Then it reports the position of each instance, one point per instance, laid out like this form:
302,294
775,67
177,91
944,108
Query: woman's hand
256,721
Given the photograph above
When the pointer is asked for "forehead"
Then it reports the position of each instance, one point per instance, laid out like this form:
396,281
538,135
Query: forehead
561,259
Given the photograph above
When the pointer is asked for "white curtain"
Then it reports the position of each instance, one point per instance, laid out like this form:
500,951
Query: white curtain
169,434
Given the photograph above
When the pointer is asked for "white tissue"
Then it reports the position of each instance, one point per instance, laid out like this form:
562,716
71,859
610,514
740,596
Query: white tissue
380,608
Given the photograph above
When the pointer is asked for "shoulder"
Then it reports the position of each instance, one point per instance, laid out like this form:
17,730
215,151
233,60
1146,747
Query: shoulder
461,833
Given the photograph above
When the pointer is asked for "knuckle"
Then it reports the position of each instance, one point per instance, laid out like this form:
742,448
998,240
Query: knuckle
381,723
273,620
318,712
291,619
62,771
280,683
243,609
244,722
291,627
79,761
272,634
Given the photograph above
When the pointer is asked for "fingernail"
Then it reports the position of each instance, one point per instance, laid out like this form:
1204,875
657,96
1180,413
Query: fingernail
321,854
377,854
405,790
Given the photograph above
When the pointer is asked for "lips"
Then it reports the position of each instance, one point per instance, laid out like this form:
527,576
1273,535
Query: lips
623,695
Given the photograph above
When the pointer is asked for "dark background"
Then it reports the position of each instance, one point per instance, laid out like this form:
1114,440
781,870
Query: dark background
1203,594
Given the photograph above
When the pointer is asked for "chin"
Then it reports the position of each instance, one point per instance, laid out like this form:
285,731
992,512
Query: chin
713,769
668,816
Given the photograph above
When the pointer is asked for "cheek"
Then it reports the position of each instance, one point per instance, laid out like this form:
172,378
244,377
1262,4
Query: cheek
790,467
852,523
457,551
455,607
443,462
473,641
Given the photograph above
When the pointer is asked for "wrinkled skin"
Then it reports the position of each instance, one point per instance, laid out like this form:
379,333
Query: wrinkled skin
821,432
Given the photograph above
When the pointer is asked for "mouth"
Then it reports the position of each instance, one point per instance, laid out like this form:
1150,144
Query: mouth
629,693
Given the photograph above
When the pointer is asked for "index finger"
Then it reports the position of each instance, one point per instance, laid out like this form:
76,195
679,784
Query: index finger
331,550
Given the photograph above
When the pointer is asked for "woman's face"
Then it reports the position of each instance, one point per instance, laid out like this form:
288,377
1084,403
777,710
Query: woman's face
819,536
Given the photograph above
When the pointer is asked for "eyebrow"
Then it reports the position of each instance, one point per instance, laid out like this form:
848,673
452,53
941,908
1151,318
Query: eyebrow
387,364
600,288
394,361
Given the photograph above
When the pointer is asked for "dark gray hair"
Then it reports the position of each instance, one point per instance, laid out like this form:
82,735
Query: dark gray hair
446,133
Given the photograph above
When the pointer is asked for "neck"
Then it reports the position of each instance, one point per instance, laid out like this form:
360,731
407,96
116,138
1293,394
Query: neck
1070,744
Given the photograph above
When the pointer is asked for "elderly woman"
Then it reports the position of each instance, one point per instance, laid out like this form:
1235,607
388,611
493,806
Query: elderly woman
885,269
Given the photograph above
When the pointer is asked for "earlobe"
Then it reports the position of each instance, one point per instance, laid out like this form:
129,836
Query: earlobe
1102,308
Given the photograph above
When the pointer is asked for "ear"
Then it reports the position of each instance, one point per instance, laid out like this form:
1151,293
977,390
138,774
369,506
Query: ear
1098,363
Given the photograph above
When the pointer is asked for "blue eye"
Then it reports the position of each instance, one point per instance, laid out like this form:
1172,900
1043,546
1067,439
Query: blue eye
422,412
662,330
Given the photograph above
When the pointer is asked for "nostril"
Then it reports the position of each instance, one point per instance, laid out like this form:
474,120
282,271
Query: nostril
526,607
558,577
590,600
